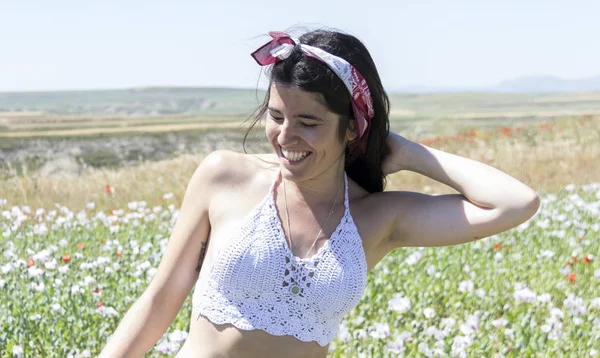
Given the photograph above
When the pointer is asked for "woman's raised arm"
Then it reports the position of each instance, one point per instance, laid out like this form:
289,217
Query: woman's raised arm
490,201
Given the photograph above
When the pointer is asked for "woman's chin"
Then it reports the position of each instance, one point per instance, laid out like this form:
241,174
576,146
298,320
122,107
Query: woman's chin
294,170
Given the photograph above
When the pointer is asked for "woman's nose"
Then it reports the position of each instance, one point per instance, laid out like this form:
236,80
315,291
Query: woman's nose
287,134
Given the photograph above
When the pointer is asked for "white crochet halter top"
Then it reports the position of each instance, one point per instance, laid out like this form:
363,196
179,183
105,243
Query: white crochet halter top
256,282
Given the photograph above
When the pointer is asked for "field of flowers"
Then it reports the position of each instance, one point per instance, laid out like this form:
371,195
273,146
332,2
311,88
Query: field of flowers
68,277
71,267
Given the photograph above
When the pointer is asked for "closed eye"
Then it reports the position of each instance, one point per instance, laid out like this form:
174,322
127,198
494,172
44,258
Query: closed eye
276,119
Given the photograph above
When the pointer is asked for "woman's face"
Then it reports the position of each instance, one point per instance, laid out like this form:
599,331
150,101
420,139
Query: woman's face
303,133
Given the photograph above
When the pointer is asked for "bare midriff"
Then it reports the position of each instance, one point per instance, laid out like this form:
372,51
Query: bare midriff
209,340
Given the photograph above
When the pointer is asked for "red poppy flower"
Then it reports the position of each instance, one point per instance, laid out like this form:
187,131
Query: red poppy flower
80,245
588,259
572,277
108,189
498,246
118,253
506,131
100,304
66,258
31,262
97,290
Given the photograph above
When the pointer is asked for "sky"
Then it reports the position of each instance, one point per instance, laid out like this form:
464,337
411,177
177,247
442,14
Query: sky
66,45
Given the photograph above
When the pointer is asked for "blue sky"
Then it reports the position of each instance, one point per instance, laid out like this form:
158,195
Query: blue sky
60,44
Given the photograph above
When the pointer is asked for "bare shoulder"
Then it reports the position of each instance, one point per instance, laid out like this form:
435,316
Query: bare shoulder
391,209
388,216
375,213
262,162
230,169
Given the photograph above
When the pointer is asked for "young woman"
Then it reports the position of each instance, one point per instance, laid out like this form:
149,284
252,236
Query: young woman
286,239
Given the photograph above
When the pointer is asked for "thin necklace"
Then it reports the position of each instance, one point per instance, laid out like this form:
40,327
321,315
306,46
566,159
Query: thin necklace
295,289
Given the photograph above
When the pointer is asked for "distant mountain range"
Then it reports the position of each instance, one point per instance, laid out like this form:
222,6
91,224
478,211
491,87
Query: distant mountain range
524,84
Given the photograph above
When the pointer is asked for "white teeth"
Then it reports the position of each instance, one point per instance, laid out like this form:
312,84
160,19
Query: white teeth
294,156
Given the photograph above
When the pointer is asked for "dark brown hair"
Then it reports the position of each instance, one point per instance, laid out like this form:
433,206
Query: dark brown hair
311,75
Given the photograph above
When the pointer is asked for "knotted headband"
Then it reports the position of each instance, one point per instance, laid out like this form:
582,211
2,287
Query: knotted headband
280,48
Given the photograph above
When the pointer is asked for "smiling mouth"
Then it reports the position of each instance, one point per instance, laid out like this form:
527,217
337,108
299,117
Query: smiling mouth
294,155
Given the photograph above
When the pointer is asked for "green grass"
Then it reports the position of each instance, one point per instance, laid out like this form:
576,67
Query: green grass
496,265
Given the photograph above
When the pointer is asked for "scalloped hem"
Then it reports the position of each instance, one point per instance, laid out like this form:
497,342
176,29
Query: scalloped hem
216,320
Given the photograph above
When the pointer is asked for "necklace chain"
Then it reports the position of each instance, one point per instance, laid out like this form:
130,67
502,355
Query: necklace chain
287,213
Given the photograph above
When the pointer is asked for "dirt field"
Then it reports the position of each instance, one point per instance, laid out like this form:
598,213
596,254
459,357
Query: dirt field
68,147
544,155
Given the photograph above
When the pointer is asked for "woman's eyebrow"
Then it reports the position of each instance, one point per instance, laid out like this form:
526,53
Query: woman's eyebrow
301,115
310,116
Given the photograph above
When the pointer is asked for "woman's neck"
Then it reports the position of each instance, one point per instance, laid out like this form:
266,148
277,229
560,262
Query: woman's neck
320,190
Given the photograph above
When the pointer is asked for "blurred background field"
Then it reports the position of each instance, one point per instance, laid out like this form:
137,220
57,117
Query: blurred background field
124,159
69,147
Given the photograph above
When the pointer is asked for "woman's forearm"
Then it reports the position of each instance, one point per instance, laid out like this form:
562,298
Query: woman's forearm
480,183
140,329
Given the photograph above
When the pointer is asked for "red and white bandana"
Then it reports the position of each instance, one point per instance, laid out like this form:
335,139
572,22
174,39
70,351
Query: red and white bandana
280,48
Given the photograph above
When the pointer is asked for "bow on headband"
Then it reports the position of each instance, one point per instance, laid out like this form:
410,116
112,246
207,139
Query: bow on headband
280,48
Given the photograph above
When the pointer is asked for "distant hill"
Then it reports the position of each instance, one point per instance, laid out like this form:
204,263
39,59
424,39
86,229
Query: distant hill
524,84
522,93
141,101
538,84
